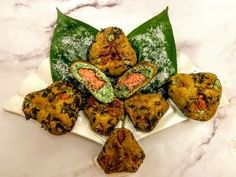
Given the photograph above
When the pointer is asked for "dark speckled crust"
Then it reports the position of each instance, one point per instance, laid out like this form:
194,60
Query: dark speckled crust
121,153
196,95
56,108
111,52
103,117
145,110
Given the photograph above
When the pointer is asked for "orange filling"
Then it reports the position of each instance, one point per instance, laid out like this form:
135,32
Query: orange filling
200,105
90,77
133,80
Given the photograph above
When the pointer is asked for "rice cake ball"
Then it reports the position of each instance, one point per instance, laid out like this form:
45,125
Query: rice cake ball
145,110
111,52
121,153
103,117
196,95
56,108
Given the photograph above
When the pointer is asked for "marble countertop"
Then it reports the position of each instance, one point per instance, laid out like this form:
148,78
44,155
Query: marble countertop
204,30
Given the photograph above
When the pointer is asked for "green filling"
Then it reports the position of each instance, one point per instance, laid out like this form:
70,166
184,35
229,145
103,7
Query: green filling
110,37
122,91
106,93
217,85
147,72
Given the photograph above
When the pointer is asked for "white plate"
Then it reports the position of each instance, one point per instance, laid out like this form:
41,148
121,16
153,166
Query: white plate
42,78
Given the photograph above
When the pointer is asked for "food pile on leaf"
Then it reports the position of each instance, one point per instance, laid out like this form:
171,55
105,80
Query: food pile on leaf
109,75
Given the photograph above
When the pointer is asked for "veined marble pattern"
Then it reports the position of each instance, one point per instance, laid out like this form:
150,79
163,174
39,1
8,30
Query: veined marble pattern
204,30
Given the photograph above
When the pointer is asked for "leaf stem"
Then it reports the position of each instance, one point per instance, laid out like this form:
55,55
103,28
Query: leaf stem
123,122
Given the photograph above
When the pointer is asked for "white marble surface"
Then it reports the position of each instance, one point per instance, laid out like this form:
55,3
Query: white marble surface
204,30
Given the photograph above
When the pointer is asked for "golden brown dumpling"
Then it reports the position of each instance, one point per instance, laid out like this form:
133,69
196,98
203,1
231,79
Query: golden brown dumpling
196,95
111,52
103,117
56,108
145,110
121,153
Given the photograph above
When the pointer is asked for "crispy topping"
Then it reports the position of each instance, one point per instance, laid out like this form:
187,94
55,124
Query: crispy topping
121,153
111,52
56,108
145,110
103,117
196,95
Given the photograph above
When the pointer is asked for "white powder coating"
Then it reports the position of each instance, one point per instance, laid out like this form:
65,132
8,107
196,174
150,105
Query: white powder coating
77,42
152,46
70,47
63,68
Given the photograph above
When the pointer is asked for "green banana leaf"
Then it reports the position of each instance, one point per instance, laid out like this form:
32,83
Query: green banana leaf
70,42
154,41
